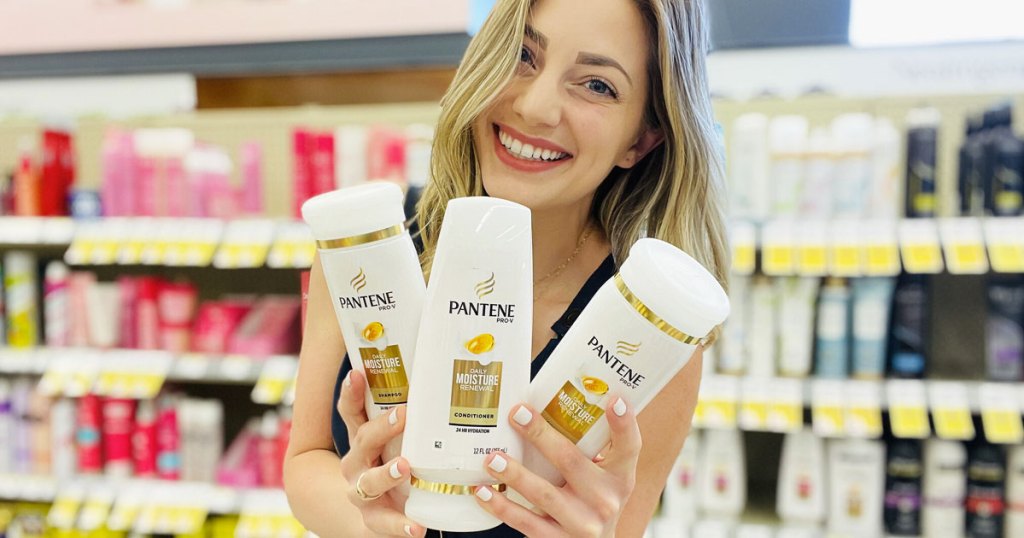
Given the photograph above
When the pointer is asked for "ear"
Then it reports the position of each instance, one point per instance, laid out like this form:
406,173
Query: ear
647,141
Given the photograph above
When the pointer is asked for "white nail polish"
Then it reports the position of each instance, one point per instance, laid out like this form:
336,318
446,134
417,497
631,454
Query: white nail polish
393,417
619,407
348,380
522,416
394,471
498,464
408,530
484,492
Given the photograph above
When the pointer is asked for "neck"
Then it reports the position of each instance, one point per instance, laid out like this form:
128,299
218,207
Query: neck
555,233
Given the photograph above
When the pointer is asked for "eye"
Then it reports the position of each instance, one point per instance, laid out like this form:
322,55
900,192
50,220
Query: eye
526,56
601,87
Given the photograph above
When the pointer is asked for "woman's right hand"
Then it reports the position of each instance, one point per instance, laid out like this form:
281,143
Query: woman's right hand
381,503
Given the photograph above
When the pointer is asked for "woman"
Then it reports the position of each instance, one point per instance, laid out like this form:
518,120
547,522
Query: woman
595,114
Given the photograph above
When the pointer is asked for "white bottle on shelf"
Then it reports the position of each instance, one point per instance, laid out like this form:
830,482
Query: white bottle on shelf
680,499
762,333
748,165
801,489
732,358
797,297
722,479
856,487
787,141
944,487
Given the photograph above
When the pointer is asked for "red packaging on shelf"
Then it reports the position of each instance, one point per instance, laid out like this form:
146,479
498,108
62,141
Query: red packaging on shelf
323,163
216,321
52,193
303,144
118,420
88,435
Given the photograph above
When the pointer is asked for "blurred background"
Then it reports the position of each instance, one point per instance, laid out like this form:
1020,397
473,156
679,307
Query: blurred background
154,154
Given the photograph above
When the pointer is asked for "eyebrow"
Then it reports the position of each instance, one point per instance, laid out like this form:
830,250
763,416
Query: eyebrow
584,58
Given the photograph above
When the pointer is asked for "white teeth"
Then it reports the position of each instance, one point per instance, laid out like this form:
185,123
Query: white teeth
527,151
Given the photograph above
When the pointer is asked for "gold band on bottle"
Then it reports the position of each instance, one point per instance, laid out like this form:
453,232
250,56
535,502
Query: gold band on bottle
450,489
361,239
661,324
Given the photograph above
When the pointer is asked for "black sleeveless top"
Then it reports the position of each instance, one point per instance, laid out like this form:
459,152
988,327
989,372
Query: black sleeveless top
598,278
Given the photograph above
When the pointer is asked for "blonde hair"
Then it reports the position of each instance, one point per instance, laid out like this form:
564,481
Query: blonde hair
673,194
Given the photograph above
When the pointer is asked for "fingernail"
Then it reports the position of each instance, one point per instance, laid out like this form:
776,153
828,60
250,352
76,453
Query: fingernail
620,407
484,493
498,464
394,471
522,416
393,417
348,379
408,530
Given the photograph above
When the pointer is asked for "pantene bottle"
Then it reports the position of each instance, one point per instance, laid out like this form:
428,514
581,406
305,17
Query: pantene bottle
473,361
640,328
375,282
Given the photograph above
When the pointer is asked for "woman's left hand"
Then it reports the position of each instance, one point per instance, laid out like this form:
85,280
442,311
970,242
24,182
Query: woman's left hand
595,492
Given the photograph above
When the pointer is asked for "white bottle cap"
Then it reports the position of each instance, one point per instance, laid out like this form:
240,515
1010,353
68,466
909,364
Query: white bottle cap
56,271
354,211
484,221
674,287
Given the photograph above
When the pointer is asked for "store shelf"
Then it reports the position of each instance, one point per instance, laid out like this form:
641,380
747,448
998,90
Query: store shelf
854,408
147,505
234,37
36,231
132,373
852,248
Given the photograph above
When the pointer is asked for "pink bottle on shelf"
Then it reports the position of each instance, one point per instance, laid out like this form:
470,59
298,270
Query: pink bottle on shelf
118,189
118,421
147,315
239,467
79,284
303,142
56,306
271,460
386,155
251,196
129,293
177,188
176,304
168,439
215,322
270,328
88,436
323,163
143,441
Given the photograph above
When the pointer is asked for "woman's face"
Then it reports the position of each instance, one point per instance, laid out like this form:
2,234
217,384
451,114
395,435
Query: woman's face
573,110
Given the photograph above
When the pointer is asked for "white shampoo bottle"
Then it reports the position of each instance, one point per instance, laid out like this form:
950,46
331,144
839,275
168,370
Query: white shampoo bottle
723,477
376,284
945,488
801,493
473,361
639,330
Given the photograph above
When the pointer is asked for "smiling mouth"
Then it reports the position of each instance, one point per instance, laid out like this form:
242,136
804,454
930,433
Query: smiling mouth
527,152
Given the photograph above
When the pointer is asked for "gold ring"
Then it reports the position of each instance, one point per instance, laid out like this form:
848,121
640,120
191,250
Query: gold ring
362,494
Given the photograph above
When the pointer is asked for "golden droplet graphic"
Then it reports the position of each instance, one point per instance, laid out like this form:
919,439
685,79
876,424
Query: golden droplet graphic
595,385
481,343
373,331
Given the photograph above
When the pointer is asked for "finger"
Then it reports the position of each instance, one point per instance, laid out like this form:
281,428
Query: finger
568,512
389,522
567,458
369,441
351,404
516,516
621,458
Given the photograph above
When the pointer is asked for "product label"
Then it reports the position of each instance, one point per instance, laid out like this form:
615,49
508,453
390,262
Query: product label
570,414
476,392
385,374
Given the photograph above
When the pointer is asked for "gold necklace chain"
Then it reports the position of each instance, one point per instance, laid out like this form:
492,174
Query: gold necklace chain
579,246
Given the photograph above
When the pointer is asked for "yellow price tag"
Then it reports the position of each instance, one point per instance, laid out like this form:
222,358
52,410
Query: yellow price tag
1002,426
754,415
778,260
966,258
846,260
269,391
785,417
720,414
953,424
909,422
922,258
1006,257
131,252
882,260
827,420
864,422
744,259
813,260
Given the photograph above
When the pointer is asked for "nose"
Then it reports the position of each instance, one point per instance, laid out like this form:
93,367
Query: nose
538,100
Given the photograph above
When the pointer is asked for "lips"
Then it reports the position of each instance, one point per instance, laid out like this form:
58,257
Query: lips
527,153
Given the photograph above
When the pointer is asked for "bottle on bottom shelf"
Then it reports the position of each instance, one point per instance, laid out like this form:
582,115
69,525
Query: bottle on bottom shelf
801,484
944,488
856,487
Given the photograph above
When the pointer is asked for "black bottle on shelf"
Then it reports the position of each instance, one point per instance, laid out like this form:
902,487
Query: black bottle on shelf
903,471
986,475
971,184
1007,169
995,129
922,139
909,334
1004,327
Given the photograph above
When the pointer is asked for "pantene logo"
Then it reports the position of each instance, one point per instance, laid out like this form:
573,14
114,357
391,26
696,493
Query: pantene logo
380,301
501,312
627,375
359,282
625,348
